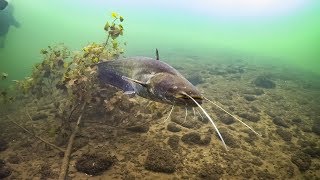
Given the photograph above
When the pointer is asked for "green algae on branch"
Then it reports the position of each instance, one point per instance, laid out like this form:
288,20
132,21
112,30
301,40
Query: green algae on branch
72,72
114,30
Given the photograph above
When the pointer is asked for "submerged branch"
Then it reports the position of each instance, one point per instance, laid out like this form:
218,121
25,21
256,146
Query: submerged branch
66,158
29,132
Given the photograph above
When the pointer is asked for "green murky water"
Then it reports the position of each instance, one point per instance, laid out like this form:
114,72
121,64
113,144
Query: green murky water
289,35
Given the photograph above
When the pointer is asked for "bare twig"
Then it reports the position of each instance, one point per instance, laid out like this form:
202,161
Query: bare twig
29,132
66,158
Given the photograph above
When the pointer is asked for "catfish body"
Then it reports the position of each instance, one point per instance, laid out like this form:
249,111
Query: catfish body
148,78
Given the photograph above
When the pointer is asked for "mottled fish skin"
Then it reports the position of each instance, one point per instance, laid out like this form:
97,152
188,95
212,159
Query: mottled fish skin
164,82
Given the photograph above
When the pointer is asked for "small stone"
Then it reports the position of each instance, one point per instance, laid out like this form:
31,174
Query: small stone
173,127
250,97
264,82
191,138
211,171
280,122
313,152
250,117
138,128
39,116
228,139
226,119
301,160
285,135
173,142
93,164
160,160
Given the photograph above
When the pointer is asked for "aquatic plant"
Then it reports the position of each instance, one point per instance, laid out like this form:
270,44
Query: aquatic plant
114,30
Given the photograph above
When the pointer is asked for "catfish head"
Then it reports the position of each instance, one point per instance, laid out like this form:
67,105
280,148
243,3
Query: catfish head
172,89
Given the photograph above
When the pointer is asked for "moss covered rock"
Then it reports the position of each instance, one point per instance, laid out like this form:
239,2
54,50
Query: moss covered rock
93,164
301,160
160,160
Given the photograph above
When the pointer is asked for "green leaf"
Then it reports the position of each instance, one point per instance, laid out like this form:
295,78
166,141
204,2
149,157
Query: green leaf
106,27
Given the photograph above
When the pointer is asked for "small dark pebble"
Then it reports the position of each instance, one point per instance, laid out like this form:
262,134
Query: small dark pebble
160,160
264,82
313,152
93,164
280,122
173,142
250,117
301,160
39,116
3,145
285,135
250,97
139,128
173,127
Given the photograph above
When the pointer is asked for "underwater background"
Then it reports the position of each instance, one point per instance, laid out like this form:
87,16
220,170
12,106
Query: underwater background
259,59
284,33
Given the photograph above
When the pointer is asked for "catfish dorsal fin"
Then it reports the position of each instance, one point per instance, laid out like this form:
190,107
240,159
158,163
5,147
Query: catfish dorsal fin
135,81
157,54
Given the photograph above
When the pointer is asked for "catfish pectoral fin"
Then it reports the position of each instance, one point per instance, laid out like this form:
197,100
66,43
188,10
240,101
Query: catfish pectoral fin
131,94
135,81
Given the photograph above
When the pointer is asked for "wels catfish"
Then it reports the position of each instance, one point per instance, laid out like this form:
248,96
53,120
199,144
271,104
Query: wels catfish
155,80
